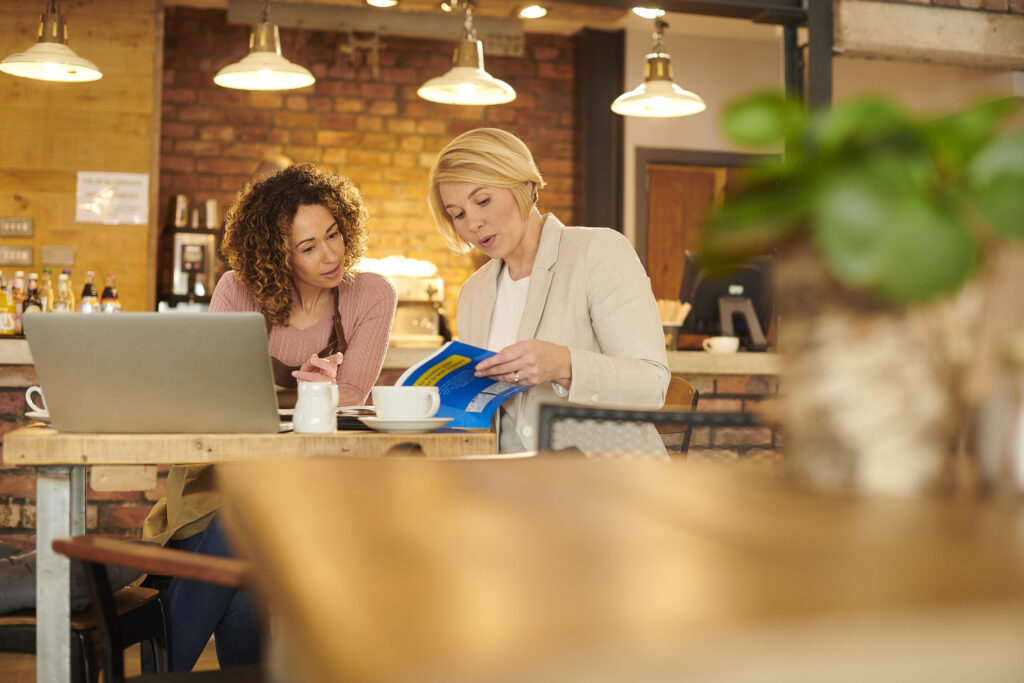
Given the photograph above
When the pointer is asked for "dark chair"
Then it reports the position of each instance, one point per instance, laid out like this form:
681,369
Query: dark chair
137,609
560,424
96,552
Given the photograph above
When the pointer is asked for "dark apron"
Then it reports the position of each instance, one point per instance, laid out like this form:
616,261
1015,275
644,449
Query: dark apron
288,385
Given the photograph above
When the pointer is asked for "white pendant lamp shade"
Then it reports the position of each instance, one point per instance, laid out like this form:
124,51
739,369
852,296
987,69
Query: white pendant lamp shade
658,96
466,82
264,68
51,59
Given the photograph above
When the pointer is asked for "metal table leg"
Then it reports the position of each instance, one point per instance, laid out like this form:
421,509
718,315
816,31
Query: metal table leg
60,500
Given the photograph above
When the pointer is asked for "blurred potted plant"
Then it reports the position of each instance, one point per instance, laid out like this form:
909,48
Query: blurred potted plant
895,279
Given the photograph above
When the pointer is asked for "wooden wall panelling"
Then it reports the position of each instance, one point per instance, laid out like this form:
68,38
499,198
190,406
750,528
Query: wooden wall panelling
50,131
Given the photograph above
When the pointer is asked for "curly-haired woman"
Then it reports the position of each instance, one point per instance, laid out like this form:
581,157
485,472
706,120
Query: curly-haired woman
291,240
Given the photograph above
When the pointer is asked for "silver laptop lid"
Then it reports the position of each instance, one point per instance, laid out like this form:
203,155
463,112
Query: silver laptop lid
154,372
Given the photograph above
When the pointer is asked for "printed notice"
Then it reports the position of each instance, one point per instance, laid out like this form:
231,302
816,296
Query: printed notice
112,198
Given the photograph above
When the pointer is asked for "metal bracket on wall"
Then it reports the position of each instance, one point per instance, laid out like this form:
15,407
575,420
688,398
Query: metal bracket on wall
351,45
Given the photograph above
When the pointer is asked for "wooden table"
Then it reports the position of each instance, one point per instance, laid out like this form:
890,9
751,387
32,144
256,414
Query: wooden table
60,490
546,569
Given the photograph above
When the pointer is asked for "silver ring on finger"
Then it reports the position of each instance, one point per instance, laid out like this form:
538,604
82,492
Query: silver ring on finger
515,377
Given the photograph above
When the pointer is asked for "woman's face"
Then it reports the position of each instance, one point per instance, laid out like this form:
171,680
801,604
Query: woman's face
318,248
486,217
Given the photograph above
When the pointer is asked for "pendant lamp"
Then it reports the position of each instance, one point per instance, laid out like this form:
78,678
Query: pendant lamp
466,82
51,59
658,96
264,68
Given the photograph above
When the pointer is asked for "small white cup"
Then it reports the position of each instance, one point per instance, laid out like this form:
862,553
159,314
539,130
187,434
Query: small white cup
406,403
721,344
41,407
315,408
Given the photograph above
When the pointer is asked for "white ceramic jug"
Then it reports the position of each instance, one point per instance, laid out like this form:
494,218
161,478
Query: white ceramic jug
315,409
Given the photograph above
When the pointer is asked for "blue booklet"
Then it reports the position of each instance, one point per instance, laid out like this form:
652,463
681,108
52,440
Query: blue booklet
471,401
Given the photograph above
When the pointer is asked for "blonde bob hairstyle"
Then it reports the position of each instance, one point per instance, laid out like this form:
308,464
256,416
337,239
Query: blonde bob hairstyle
483,156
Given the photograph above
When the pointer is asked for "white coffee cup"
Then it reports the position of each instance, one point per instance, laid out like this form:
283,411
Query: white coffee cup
41,407
406,403
315,409
721,344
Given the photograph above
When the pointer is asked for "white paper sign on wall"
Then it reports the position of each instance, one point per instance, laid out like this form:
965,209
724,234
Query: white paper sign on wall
112,198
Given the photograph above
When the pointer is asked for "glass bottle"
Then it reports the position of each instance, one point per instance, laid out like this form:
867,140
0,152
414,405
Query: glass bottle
71,290
6,308
32,303
65,301
46,290
90,301
109,302
18,294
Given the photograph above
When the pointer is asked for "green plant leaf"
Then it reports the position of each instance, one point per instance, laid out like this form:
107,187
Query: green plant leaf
932,254
880,230
995,178
752,222
762,119
959,136
858,123
855,215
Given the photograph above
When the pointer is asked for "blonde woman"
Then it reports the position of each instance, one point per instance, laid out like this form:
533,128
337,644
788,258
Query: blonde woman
569,310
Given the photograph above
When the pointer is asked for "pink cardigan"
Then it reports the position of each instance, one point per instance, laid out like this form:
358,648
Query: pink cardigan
367,307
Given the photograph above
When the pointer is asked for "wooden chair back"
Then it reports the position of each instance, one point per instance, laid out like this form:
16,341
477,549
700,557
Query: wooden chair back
681,395
96,552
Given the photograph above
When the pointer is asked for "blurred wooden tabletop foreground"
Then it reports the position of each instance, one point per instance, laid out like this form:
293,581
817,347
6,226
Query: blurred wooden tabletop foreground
544,569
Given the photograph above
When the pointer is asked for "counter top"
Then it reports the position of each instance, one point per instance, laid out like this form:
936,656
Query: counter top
15,352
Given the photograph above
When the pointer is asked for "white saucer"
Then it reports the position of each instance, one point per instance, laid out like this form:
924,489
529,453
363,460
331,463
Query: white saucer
41,415
426,424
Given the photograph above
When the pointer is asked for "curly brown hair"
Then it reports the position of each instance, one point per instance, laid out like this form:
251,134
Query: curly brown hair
258,229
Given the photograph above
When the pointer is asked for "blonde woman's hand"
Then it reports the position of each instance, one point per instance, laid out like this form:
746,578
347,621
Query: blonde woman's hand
529,363
318,369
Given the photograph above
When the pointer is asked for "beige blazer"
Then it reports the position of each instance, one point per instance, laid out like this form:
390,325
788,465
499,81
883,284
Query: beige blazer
588,291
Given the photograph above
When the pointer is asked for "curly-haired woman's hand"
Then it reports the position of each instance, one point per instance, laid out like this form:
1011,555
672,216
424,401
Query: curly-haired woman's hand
318,369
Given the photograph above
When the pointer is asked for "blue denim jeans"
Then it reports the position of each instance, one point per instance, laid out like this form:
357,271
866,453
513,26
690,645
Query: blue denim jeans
198,610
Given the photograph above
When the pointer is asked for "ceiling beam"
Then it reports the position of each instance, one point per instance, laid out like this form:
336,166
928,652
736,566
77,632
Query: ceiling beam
783,12
501,36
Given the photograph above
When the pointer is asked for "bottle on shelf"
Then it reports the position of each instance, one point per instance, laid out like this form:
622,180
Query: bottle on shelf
71,290
46,291
18,294
90,300
32,303
109,302
7,328
65,301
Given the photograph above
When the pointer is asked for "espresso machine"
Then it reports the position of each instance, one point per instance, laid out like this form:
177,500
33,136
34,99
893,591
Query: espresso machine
418,315
419,320
189,253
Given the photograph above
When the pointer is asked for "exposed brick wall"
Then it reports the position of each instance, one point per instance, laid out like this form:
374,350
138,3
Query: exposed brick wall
107,512
376,131
734,393
1003,6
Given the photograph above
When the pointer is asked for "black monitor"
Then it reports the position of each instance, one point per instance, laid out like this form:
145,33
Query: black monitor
703,289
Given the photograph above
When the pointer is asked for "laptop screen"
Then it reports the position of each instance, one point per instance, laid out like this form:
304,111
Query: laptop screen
154,372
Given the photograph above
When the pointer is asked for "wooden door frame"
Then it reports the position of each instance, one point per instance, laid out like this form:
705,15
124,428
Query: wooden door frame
677,157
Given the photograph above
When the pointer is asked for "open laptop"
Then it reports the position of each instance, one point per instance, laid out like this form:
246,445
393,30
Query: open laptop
154,373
